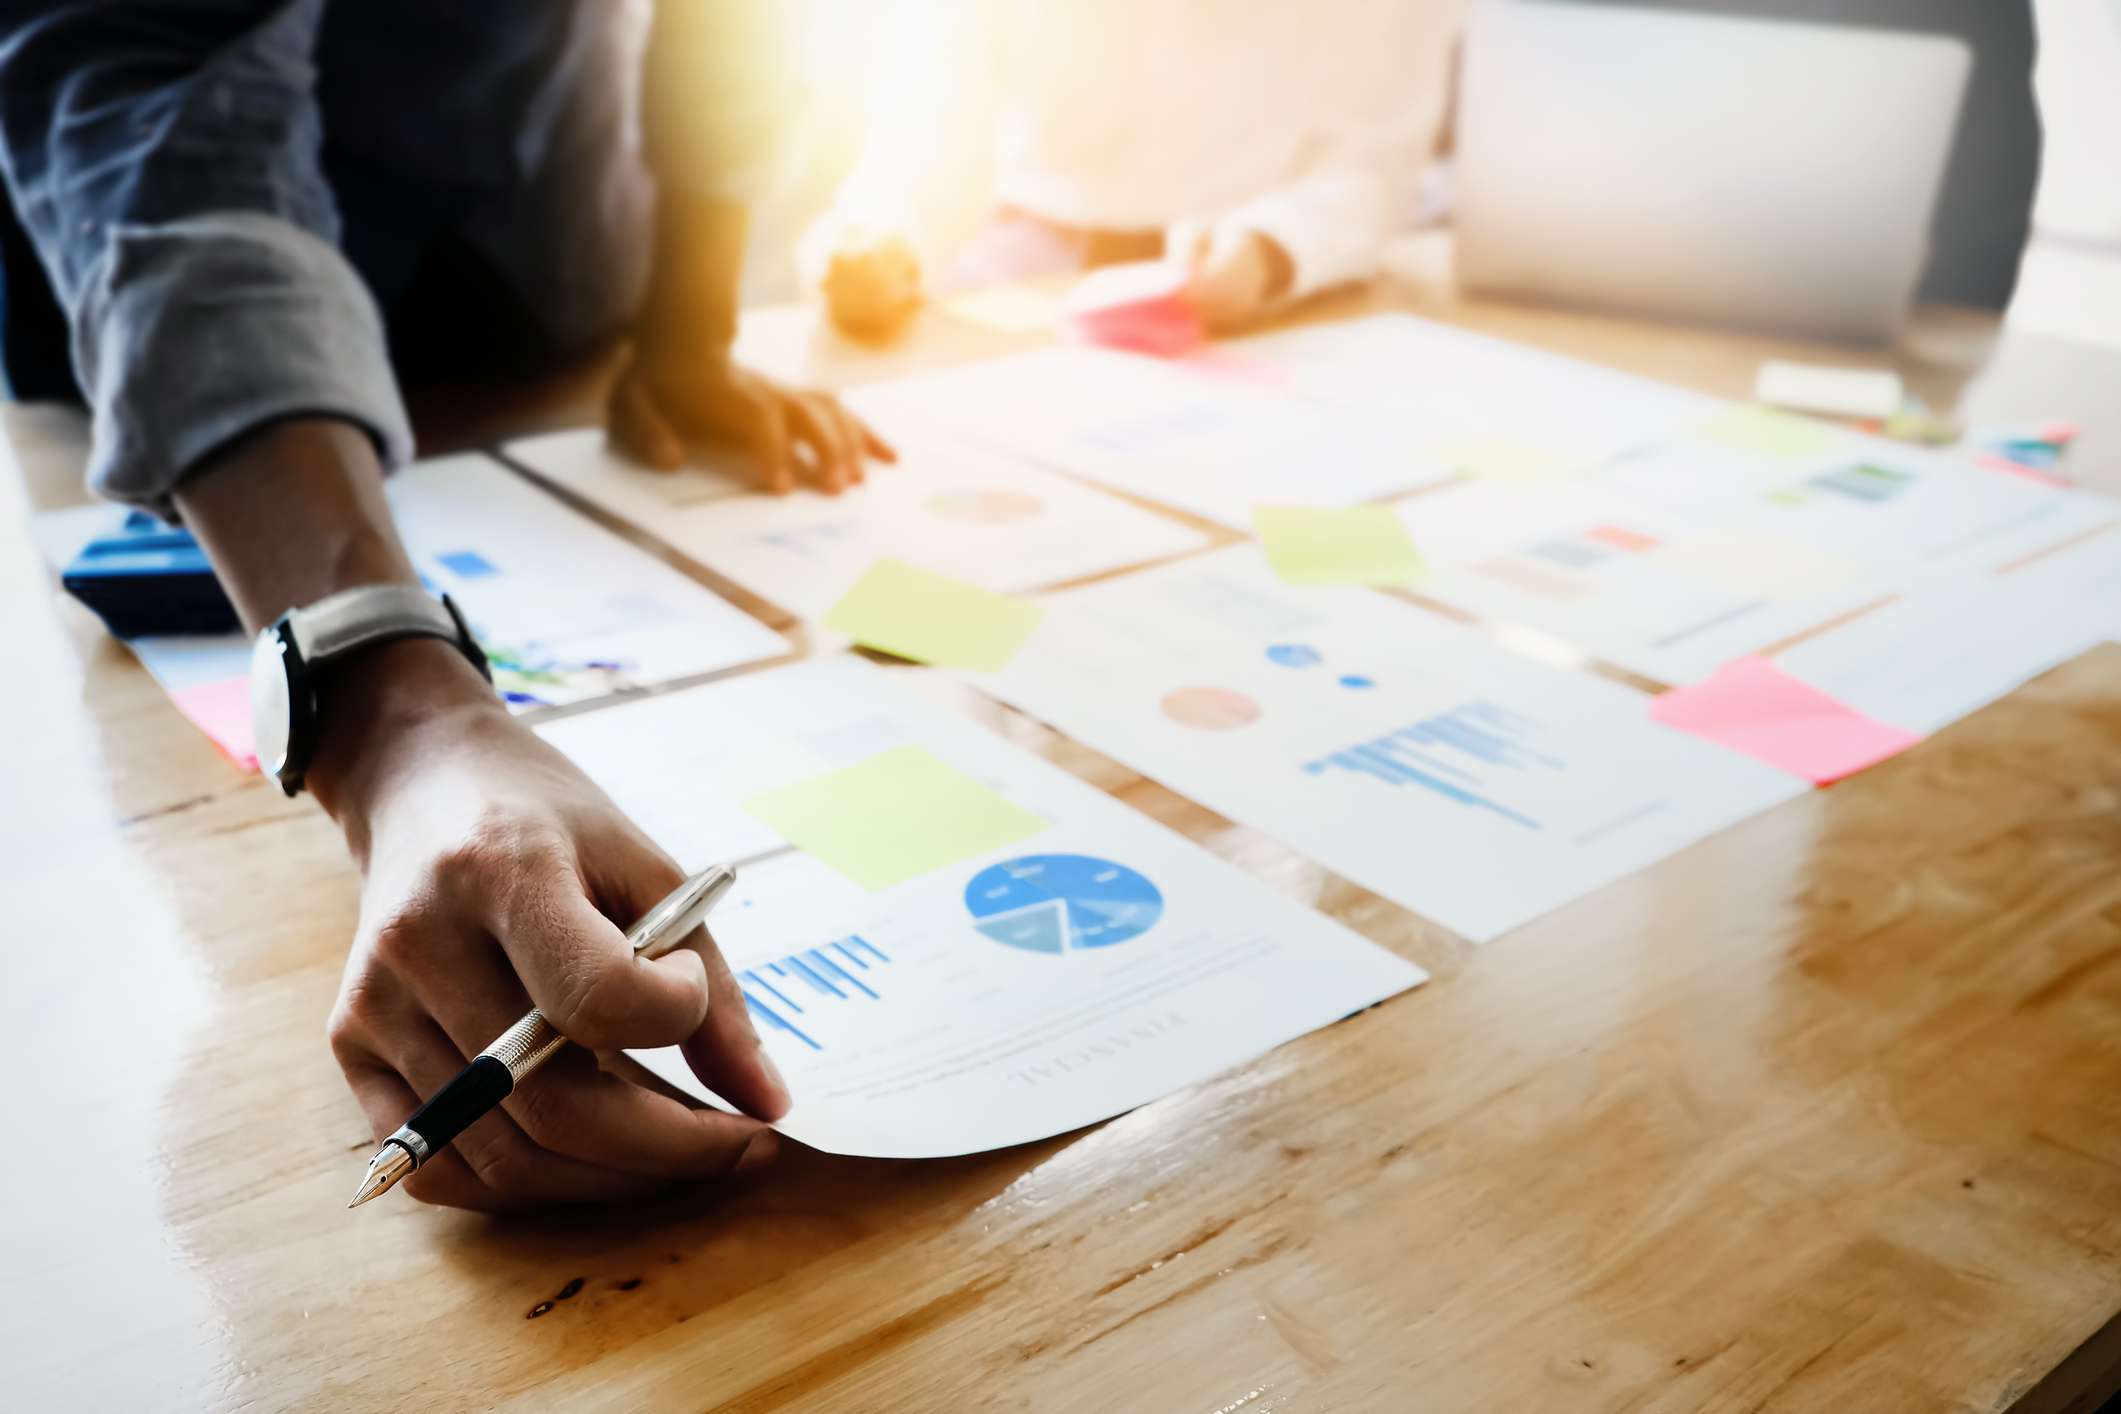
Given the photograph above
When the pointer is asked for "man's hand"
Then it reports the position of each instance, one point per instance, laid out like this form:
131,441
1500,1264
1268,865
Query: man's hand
665,403
494,871
1235,276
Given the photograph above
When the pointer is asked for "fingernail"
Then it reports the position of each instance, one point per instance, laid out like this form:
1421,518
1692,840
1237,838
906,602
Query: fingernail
759,1152
773,1074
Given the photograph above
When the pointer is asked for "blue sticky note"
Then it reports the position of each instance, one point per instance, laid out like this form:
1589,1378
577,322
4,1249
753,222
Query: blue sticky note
468,564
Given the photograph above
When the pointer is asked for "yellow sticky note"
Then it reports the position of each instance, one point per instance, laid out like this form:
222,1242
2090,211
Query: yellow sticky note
1360,545
1768,432
893,817
1505,459
932,618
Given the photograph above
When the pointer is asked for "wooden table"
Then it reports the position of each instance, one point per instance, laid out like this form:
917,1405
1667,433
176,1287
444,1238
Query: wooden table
1823,1113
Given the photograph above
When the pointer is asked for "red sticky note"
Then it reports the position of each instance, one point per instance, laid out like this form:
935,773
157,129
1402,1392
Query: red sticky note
1142,307
221,709
1753,707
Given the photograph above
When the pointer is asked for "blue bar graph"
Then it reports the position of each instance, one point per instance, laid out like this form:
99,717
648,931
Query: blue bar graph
787,988
1453,753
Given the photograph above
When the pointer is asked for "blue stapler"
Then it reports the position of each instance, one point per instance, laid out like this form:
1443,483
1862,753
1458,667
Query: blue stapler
149,579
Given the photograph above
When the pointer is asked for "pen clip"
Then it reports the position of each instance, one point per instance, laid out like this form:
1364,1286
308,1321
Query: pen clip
671,921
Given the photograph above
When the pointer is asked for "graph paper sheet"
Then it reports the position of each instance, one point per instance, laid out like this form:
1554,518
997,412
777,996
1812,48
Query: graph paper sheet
1050,974
1405,752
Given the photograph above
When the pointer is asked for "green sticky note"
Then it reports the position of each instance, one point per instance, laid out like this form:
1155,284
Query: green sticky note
1360,545
932,618
1505,459
1768,432
893,817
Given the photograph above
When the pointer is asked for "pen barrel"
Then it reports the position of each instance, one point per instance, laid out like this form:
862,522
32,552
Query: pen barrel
526,1045
478,1089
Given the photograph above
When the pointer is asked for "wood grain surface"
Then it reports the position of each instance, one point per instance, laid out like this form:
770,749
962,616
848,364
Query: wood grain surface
1823,1113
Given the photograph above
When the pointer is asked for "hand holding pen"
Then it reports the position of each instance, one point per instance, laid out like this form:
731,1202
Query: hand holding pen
586,1111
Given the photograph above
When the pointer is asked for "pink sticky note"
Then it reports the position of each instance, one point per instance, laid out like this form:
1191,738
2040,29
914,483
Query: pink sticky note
221,709
1221,361
1991,461
1142,307
1753,707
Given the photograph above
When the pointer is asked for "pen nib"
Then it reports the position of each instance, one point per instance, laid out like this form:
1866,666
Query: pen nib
385,1171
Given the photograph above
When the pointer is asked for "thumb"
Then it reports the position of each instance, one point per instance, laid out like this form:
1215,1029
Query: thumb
582,973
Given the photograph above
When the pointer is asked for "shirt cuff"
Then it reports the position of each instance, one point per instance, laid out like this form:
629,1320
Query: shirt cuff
1332,228
191,333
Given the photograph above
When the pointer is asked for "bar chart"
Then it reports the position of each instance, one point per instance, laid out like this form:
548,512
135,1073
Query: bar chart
778,992
1459,754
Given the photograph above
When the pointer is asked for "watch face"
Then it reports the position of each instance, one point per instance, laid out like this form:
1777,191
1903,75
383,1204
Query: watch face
271,709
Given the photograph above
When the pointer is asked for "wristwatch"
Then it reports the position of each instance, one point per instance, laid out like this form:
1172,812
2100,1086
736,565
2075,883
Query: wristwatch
287,667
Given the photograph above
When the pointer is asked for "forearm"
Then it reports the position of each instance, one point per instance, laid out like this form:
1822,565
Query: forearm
719,89
295,512
291,513
691,307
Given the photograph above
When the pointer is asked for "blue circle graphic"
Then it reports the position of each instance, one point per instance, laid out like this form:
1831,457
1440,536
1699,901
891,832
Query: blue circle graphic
1357,680
1053,903
1295,655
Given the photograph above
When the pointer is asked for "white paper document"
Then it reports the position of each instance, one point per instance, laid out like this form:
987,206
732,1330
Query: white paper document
1169,432
1409,753
1674,560
564,609
1441,385
1093,962
1943,652
948,505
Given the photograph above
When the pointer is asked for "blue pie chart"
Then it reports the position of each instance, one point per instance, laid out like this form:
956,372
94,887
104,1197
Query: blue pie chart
1055,903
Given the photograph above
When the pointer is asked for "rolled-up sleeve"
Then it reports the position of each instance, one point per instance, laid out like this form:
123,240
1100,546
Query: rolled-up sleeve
164,158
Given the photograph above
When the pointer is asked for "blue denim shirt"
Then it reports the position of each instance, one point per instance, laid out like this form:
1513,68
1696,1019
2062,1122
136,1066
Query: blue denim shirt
220,192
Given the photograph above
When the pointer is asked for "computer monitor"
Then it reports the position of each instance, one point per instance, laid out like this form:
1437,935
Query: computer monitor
1746,171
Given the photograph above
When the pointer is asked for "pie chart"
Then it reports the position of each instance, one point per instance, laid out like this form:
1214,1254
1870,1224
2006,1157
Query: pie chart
1056,903
1211,709
984,506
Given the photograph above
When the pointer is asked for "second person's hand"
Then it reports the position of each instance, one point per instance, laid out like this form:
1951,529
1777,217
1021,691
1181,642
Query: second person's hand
666,403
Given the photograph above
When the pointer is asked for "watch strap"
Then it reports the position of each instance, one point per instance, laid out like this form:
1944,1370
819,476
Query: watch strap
354,618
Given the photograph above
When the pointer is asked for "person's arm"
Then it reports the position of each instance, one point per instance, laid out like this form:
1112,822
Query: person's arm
923,186
163,156
493,872
1329,223
715,87
1312,235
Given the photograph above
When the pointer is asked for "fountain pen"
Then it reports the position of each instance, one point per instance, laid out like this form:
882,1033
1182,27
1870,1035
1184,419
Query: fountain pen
495,1072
